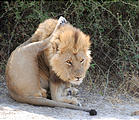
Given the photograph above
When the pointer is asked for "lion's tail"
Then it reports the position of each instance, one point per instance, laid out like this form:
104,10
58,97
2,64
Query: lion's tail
45,102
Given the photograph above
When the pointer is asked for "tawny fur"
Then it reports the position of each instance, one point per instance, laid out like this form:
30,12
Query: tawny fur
64,60
68,44
63,46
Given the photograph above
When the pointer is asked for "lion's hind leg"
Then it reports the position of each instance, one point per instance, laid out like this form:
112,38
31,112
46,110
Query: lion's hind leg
42,93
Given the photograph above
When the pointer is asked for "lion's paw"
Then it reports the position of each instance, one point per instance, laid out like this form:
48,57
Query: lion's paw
71,91
76,102
72,100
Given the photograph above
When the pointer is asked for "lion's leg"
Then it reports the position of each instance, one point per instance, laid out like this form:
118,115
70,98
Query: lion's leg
31,50
57,94
57,88
70,90
36,47
22,68
40,93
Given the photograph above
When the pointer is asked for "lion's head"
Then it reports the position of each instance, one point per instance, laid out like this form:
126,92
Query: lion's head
70,55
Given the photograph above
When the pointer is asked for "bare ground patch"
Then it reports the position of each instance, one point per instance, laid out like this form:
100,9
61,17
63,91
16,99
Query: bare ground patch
109,107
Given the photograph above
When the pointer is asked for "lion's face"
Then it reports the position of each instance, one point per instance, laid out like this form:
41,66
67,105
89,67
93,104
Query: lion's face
72,56
71,67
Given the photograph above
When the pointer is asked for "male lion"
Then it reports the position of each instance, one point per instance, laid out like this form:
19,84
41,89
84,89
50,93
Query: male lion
58,56
66,60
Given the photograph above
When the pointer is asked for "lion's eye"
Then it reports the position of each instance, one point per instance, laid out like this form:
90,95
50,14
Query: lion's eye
82,60
69,62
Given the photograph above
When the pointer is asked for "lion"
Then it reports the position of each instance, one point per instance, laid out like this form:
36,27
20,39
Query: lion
66,61
56,56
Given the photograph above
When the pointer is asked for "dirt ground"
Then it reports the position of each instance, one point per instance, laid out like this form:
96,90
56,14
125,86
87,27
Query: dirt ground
119,107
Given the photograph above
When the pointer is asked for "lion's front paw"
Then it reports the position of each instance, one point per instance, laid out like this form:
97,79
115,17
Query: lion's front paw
72,100
71,91
76,102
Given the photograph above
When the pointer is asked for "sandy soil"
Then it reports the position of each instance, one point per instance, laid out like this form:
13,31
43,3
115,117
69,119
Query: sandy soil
108,107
